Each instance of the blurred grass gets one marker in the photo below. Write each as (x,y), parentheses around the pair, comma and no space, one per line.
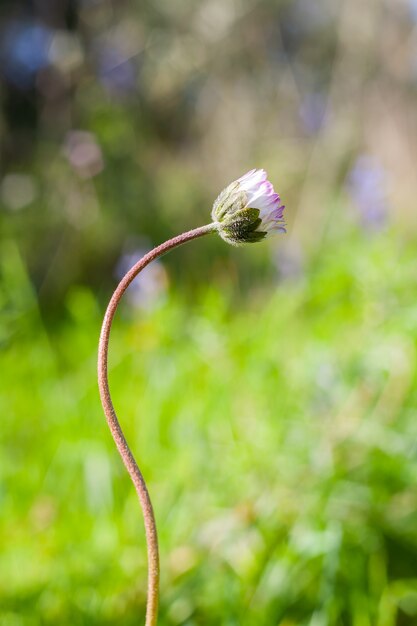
(278,438)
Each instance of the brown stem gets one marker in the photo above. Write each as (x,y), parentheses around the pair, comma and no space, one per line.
(115,429)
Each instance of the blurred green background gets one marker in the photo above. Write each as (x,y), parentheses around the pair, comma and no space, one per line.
(269,392)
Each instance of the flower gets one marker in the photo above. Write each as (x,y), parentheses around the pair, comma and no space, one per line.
(366,187)
(248,210)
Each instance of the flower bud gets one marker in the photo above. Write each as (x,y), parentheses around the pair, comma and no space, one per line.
(248,210)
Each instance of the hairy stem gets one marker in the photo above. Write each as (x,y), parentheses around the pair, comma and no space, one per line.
(115,428)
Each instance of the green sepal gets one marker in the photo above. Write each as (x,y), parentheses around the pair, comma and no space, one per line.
(240,227)
(229,202)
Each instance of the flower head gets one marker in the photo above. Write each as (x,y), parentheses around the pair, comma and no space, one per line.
(248,210)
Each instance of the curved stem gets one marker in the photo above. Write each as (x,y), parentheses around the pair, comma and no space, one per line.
(115,428)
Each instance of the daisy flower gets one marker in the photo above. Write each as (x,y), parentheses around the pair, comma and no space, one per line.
(248,210)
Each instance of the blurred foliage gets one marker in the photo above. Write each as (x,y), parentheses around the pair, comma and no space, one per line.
(279,442)
(270,391)
(121,122)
